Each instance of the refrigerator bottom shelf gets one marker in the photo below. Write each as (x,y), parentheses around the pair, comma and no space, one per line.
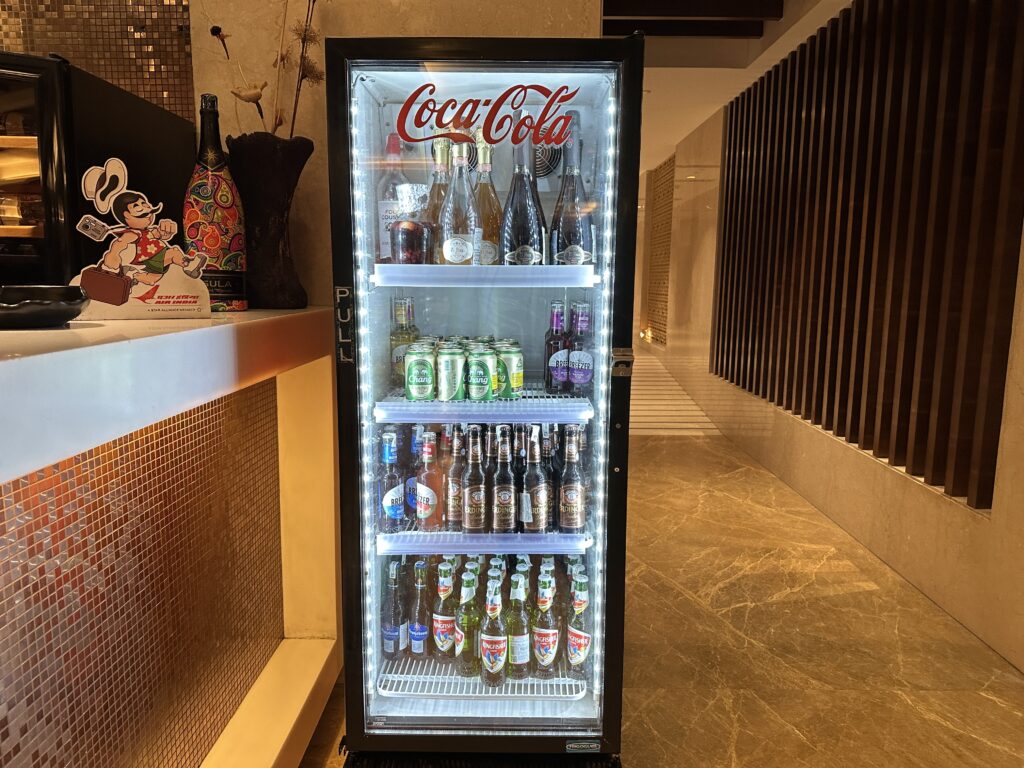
(425,678)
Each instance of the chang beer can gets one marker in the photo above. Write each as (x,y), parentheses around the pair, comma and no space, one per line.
(420,373)
(510,372)
(451,374)
(479,382)
(483,339)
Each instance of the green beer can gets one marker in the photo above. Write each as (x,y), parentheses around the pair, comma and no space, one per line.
(479,383)
(419,372)
(451,374)
(510,372)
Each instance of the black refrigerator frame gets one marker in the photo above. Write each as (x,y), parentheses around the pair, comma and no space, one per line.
(627,54)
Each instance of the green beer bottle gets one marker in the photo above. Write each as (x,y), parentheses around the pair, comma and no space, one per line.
(467,630)
(443,618)
(517,626)
(545,634)
(493,640)
(579,633)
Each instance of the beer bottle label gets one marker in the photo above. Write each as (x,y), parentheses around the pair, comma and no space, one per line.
(525,507)
(418,637)
(403,636)
(577,646)
(426,501)
(519,649)
(460,640)
(474,510)
(540,502)
(444,632)
(504,507)
(581,367)
(389,635)
(545,646)
(572,507)
(394,503)
(398,361)
(493,652)
(558,364)
(453,494)
(410,493)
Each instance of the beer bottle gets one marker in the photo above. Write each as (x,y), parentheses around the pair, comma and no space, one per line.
(419,615)
(557,445)
(573,502)
(523,570)
(473,568)
(579,633)
(390,487)
(467,630)
(474,488)
(493,640)
(429,483)
(545,631)
(443,619)
(503,490)
(453,482)
(547,464)
(519,456)
(413,470)
(402,335)
(490,459)
(394,625)
(537,492)
(517,626)
(495,574)
(444,450)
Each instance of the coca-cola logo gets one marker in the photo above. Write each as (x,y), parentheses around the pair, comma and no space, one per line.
(548,127)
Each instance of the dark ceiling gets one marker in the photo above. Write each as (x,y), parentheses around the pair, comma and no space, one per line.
(689,18)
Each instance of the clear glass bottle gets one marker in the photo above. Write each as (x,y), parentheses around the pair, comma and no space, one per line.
(579,632)
(544,631)
(394,624)
(572,224)
(467,630)
(439,183)
(429,487)
(390,486)
(522,221)
(487,203)
(459,226)
(419,614)
(388,205)
(403,333)
(493,640)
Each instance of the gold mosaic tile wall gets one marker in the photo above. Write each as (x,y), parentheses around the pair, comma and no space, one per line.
(140,590)
(142,46)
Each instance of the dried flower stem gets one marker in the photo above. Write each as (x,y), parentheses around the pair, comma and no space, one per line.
(279,65)
(310,5)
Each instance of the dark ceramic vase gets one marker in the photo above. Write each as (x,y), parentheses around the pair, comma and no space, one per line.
(266,169)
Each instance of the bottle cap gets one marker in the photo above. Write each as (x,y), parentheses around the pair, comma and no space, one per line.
(208,101)
(394,145)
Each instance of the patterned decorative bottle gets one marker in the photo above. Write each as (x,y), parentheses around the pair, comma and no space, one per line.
(214,223)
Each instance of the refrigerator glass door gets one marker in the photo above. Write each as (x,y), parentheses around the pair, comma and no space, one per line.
(458,348)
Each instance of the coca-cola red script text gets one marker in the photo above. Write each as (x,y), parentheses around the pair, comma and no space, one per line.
(548,127)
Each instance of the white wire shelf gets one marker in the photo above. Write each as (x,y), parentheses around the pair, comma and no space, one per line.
(420,542)
(447,276)
(425,678)
(534,407)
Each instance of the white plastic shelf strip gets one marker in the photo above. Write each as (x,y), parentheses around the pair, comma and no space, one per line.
(448,276)
(420,542)
(534,407)
(425,678)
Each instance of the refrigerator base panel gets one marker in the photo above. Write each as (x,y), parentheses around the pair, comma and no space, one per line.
(425,678)
(389,714)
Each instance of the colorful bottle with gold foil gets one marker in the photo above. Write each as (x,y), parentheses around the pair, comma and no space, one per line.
(214,223)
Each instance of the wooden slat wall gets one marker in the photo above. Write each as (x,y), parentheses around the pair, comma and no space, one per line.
(871,228)
(659,208)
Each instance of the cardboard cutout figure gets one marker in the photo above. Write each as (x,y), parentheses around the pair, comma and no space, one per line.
(141,274)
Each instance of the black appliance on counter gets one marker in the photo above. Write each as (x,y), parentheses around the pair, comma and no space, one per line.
(56,121)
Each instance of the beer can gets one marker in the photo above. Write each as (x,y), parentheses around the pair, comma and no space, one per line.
(420,373)
(483,339)
(480,383)
(451,373)
(510,372)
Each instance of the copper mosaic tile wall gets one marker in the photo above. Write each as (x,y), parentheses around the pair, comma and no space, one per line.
(142,46)
(140,590)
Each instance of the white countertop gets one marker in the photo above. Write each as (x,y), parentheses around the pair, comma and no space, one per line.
(67,390)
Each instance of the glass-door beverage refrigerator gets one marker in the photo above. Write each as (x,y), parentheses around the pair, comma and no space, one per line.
(483,196)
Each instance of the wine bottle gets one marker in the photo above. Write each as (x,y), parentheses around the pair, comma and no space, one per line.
(214,222)
(439,183)
(459,226)
(388,206)
(522,221)
(572,225)
(488,207)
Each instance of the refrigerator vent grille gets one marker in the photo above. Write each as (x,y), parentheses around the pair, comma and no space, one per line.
(426,678)
(535,406)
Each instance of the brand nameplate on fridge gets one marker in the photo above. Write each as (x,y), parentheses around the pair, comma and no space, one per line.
(422,110)
(583,746)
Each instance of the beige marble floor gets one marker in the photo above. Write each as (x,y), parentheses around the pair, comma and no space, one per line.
(759,634)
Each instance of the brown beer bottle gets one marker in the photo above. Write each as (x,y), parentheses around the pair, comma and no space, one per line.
(573,502)
(537,490)
(474,488)
(504,509)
